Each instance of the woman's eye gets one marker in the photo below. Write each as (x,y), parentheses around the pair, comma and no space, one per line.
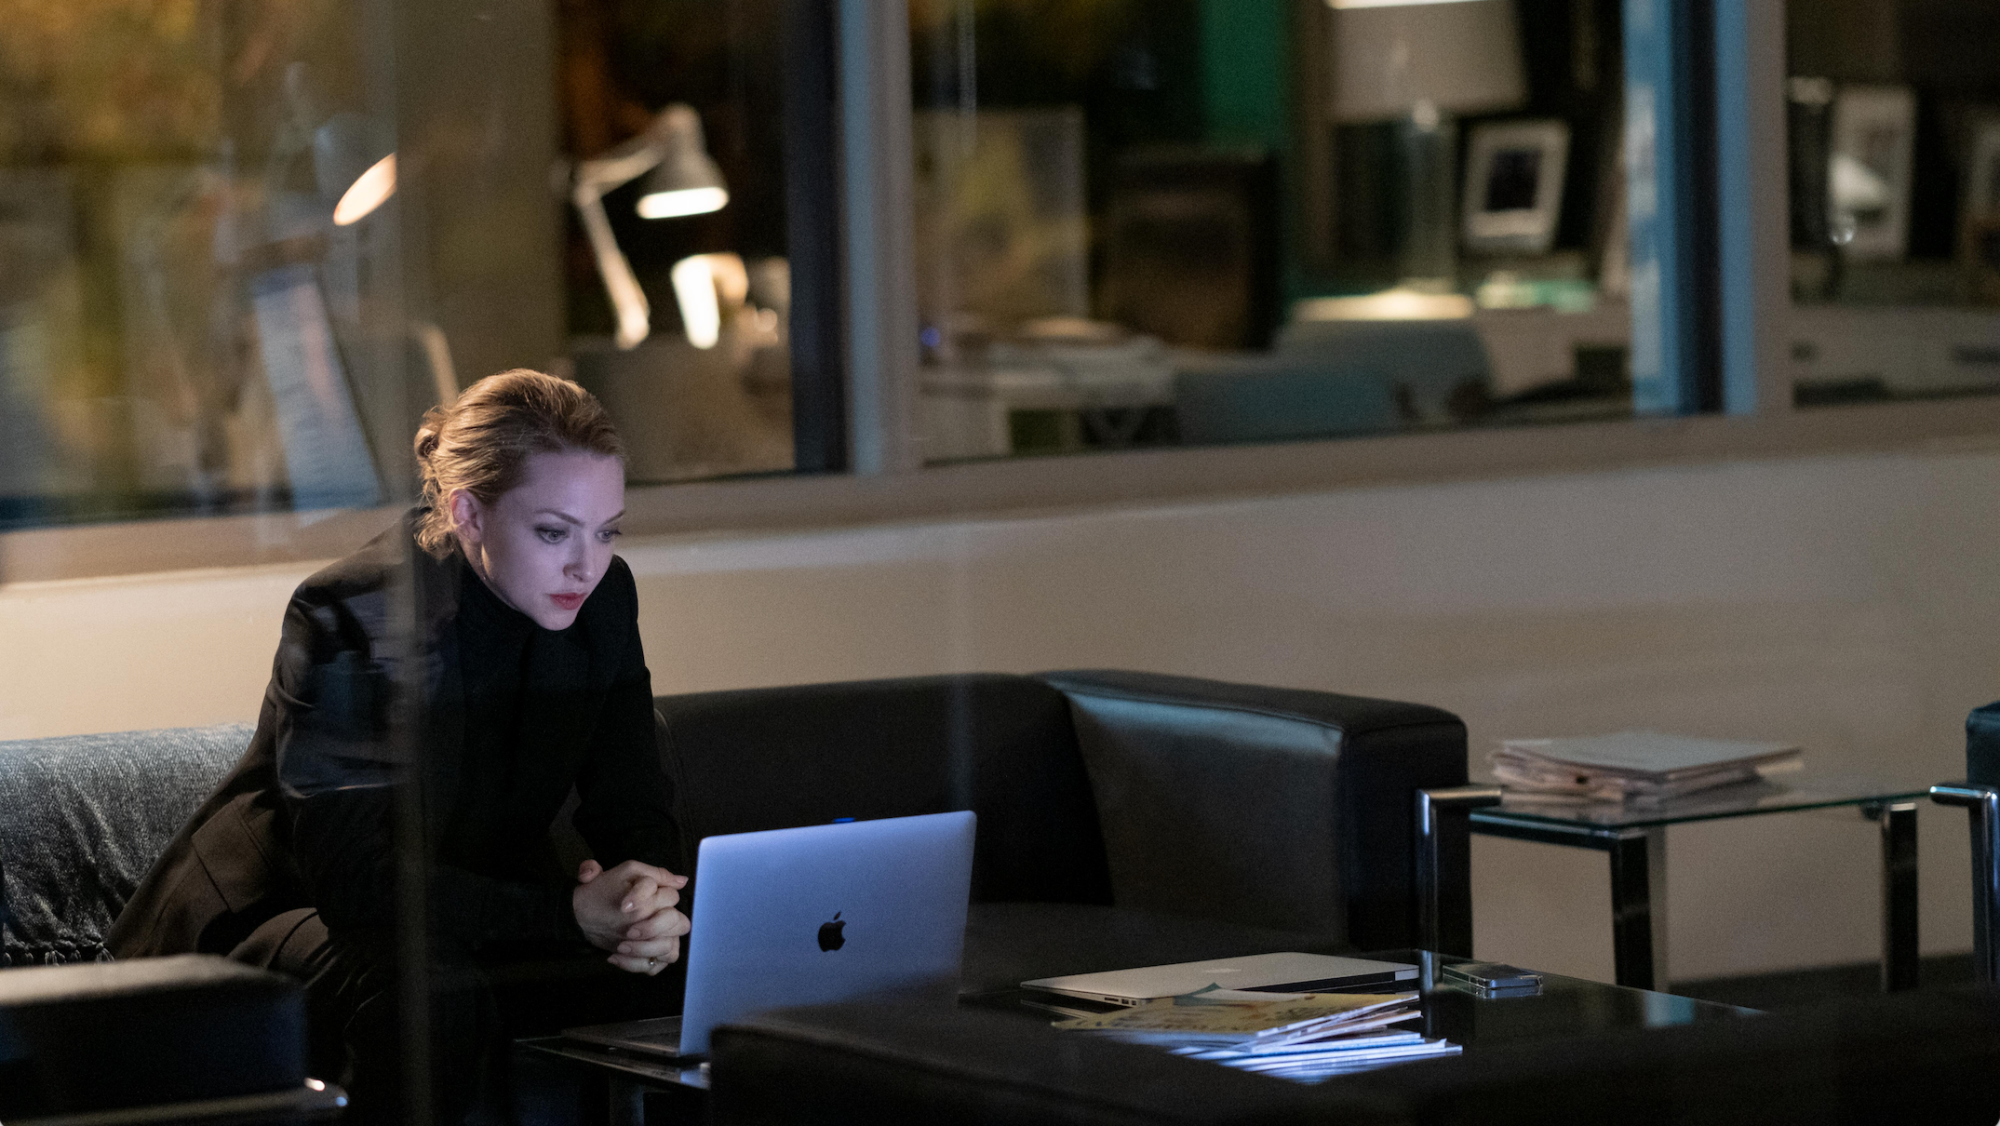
(609,534)
(551,535)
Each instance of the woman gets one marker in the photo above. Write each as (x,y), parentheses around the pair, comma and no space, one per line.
(491,639)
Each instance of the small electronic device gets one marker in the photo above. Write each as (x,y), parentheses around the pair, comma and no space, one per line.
(1495,977)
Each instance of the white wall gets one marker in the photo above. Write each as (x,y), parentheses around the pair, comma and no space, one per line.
(1843,602)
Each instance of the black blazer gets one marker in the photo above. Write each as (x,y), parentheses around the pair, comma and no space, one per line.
(305,818)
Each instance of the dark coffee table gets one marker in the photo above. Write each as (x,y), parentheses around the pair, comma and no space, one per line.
(1565,1006)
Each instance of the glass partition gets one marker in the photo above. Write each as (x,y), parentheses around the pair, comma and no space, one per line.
(183,324)
(689,347)
(1193,222)
(242,248)
(1893,111)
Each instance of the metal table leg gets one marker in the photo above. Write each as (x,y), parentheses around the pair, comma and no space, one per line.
(1639,907)
(1444,860)
(1899,892)
(1982,807)
(627,1101)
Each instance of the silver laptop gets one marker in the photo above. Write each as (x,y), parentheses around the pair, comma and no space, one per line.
(822,913)
(1273,973)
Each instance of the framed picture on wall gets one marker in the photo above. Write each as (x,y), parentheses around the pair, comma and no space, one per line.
(1514,174)
(1868,171)
(1979,224)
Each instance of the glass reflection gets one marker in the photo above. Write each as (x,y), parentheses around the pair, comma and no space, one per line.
(1195,222)
(243,247)
(176,293)
(1894,177)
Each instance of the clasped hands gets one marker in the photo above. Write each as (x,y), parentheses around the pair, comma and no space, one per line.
(631,911)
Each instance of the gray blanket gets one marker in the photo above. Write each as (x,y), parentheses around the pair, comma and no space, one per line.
(82,818)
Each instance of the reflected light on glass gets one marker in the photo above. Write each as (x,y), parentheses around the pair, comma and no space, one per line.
(687,201)
(1347,4)
(694,289)
(369,191)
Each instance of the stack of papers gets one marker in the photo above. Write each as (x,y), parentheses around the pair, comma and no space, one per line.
(1302,1036)
(1639,766)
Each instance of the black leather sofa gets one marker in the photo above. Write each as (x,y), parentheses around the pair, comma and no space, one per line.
(1124,818)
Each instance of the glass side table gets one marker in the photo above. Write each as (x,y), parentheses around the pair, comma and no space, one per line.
(1634,836)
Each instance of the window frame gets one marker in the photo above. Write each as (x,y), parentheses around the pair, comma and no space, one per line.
(1003,489)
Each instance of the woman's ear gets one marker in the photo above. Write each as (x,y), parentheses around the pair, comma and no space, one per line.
(465,516)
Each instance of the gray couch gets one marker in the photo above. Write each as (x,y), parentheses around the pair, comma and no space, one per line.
(82,818)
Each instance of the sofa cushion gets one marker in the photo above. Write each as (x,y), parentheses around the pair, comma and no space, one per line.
(1002,746)
(83,817)
(1009,943)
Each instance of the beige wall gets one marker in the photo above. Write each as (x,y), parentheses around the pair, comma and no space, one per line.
(1844,602)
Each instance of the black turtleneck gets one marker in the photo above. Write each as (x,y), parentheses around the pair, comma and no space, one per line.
(524,693)
(535,713)
(483,828)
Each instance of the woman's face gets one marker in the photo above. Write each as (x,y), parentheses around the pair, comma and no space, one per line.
(543,545)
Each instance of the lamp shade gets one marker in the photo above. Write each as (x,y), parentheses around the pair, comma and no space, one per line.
(1457,56)
(687,180)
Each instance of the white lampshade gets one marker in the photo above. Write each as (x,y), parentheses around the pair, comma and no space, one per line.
(1392,56)
(687,180)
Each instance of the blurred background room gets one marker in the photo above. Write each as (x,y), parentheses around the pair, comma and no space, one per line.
(1571,365)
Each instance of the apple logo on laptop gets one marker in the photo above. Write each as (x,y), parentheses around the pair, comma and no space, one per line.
(830,937)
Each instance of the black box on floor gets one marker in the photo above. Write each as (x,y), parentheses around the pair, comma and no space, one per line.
(152,1031)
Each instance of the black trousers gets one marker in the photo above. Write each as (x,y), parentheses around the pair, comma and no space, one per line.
(480,1001)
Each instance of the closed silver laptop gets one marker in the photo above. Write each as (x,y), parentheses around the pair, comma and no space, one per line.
(816,914)
(1276,973)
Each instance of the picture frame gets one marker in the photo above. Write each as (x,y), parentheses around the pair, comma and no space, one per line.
(1979,220)
(1868,171)
(1514,173)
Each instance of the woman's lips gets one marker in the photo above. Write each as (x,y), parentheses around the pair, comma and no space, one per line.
(567,601)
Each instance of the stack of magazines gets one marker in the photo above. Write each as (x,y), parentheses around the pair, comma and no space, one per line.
(1301,1036)
(1635,766)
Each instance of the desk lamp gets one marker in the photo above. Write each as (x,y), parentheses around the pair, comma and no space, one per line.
(684,181)
(1419,63)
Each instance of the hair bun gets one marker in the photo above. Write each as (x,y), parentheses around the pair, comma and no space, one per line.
(427,443)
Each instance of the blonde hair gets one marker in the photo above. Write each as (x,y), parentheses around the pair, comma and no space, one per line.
(481,441)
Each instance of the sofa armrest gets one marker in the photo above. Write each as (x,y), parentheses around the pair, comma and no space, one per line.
(865,1063)
(1272,807)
